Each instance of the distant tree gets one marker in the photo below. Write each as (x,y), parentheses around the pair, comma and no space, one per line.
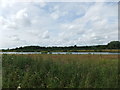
(111,45)
(114,45)
(75,45)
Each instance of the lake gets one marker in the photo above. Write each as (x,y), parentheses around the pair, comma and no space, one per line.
(108,53)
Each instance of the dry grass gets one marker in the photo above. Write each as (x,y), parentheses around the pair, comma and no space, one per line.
(60,71)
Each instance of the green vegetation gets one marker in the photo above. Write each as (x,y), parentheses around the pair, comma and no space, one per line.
(60,71)
(114,45)
(110,47)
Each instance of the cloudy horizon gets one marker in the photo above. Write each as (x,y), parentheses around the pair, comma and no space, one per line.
(58,23)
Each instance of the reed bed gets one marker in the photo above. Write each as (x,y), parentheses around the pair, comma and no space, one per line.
(60,71)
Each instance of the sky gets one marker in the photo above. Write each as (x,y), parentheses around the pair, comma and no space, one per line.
(58,23)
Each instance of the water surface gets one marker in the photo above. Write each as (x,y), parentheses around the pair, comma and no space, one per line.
(59,53)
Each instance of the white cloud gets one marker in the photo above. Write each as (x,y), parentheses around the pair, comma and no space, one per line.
(21,18)
(98,18)
(42,3)
(55,15)
(45,35)
(6,3)
(62,24)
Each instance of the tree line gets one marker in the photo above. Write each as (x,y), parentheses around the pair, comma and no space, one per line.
(75,48)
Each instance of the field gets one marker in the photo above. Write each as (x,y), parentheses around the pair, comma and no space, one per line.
(60,71)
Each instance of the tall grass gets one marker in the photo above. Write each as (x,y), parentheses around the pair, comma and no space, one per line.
(60,71)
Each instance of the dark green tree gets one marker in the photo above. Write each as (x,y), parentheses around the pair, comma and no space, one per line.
(114,45)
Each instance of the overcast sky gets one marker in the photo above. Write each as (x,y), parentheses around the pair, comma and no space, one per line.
(58,24)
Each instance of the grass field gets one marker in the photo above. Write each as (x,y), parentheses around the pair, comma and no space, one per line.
(60,71)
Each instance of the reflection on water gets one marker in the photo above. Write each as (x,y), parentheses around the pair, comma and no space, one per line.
(58,53)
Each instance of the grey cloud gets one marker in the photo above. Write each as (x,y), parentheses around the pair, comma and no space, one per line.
(33,25)
(46,35)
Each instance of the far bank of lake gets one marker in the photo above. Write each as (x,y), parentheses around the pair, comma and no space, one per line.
(108,53)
